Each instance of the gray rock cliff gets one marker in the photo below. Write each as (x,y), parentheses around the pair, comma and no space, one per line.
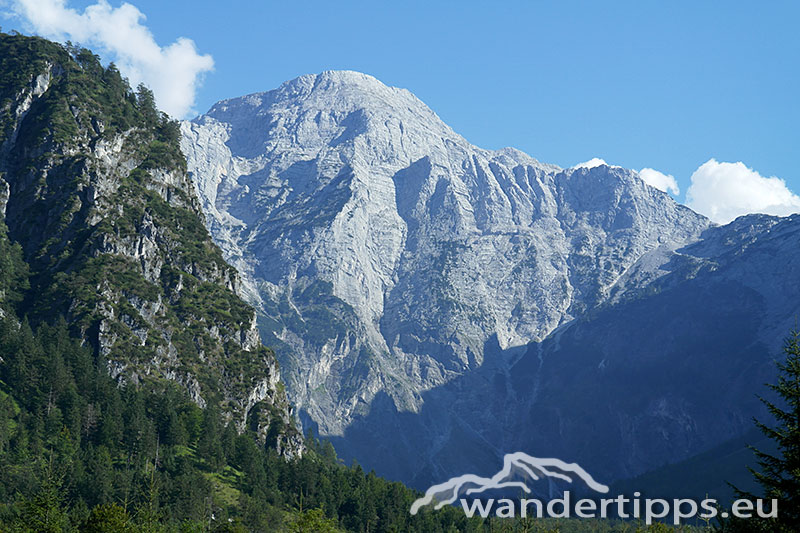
(396,266)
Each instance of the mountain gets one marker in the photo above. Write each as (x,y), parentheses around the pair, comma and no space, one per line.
(135,394)
(435,305)
(95,195)
(716,471)
(660,375)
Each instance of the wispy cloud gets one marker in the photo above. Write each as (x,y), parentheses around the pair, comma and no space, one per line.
(659,180)
(724,191)
(593,162)
(173,72)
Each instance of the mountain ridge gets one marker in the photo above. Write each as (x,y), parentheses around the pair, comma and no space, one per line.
(97,196)
(391,259)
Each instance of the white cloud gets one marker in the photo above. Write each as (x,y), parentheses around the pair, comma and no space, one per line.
(172,72)
(659,180)
(593,162)
(724,191)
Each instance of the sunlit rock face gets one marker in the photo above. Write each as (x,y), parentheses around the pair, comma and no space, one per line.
(395,264)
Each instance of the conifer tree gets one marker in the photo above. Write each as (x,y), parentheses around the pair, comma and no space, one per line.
(779,473)
(108,518)
(44,511)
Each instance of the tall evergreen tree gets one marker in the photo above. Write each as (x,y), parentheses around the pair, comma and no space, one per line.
(779,473)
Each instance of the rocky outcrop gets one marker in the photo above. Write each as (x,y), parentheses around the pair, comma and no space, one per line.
(389,256)
(96,192)
(436,306)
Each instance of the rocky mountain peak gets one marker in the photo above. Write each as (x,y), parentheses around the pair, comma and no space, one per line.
(329,98)
(336,188)
(330,113)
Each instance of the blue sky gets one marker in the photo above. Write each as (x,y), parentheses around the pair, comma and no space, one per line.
(666,85)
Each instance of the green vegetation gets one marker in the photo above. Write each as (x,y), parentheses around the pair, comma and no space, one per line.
(779,472)
(77,452)
(111,234)
(88,98)
(14,278)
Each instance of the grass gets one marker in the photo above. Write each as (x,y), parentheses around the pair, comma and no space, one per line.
(225,483)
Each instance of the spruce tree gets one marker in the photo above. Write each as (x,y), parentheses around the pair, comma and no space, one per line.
(779,474)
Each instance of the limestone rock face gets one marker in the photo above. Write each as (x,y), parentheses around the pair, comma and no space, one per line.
(435,306)
(390,257)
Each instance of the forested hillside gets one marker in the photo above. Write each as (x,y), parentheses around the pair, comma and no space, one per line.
(135,393)
(93,188)
(78,451)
